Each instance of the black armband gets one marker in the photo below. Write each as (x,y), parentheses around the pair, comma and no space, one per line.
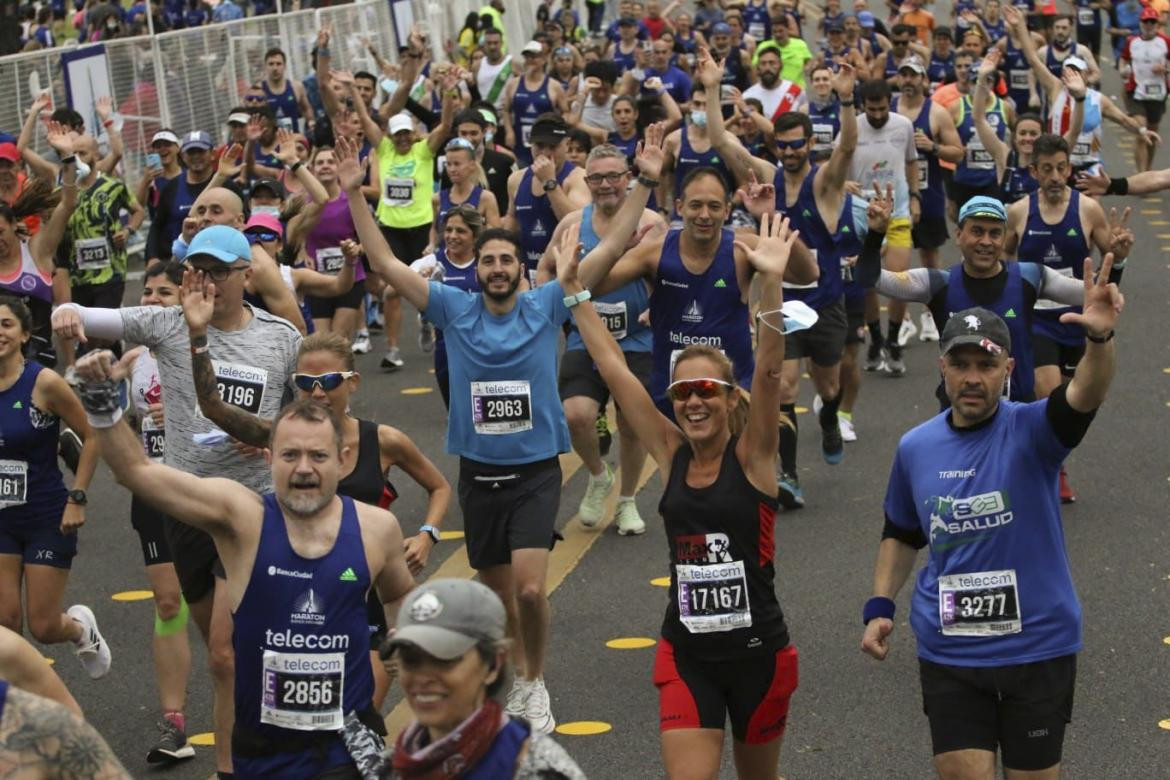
(912,537)
(1118,186)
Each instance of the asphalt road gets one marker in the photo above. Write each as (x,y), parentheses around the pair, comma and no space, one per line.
(851,717)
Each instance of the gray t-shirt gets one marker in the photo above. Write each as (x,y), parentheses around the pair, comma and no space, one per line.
(881,157)
(254,366)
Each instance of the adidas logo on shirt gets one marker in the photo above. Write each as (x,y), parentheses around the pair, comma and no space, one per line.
(348,575)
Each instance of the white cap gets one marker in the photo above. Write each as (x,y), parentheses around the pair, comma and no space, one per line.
(165,135)
(401,122)
(239,118)
(533,47)
(1073,61)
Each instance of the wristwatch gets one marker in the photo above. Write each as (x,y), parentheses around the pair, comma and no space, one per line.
(78,497)
(551,185)
(431,531)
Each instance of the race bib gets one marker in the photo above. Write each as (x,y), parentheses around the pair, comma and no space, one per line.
(330,260)
(923,165)
(823,134)
(984,603)
(1154,90)
(501,407)
(978,157)
(756,30)
(525,134)
(154,439)
(713,597)
(399,192)
(13,483)
(614,316)
(1018,78)
(303,691)
(92,254)
(1086,17)
(1081,149)
(241,386)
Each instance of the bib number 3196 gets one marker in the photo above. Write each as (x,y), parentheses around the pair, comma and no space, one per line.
(501,407)
(985,603)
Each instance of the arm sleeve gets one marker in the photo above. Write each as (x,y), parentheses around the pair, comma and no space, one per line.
(146,325)
(1062,289)
(105,324)
(917,284)
(425,115)
(1069,425)
(869,261)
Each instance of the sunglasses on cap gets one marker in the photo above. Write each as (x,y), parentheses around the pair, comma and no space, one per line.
(797,144)
(327,382)
(704,388)
(261,236)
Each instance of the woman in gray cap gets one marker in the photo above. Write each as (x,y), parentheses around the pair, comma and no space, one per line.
(451,655)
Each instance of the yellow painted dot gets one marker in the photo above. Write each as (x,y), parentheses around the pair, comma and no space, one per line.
(417,390)
(431,370)
(664,582)
(630,643)
(802,410)
(1151,212)
(450,535)
(1160,222)
(133,595)
(805,376)
(1166,370)
(50,661)
(588,728)
(1164,724)
(1166,640)
(206,739)
(1164,235)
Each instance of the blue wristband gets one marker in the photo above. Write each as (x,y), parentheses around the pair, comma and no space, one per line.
(878,607)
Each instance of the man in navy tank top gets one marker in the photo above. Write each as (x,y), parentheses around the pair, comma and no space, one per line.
(994,609)
(286,98)
(299,563)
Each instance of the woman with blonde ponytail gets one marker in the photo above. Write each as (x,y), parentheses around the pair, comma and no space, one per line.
(724,648)
(468,186)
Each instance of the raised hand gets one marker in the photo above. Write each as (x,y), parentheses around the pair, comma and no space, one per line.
(708,72)
(59,137)
(1074,82)
(759,199)
(41,103)
(650,156)
(231,162)
(1014,19)
(286,147)
(342,77)
(104,107)
(255,128)
(1094,184)
(844,79)
(881,206)
(100,365)
(1120,233)
(350,172)
(197,295)
(568,256)
(1103,301)
(323,36)
(770,255)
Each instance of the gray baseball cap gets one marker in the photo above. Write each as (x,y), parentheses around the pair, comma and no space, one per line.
(447,617)
(977,327)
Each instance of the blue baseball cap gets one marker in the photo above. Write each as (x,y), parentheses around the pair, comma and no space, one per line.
(721,28)
(983,207)
(224,243)
(866,19)
(196,139)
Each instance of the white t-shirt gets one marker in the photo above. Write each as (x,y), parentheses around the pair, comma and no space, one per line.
(881,157)
(599,115)
(783,97)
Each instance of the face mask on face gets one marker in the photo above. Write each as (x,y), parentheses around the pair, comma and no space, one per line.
(270,210)
(82,171)
(488,136)
(699,118)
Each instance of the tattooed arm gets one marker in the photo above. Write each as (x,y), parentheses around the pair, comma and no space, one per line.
(40,738)
(198,295)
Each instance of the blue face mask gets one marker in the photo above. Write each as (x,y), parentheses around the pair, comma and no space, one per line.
(699,118)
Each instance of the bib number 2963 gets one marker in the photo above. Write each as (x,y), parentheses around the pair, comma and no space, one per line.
(501,407)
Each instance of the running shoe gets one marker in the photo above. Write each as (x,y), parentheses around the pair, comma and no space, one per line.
(1067,496)
(517,702)
(893,363)
(91,649)
(426,335)
(604,437)
(538,710)
(375,320)
(392,360)
(847,432)
(874,357)
(928,331)
(69,445)
(592,503)
(907,331)
(172,745)
(629,522)
(832,444)
(361,343)
(791,496)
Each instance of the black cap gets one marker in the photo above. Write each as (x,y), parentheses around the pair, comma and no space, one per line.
(272,185)
(976,327)
(549,130)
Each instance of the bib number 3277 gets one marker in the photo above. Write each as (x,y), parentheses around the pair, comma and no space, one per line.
(985,603)
(303,690)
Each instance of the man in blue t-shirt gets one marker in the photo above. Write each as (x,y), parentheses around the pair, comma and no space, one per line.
(994,610)
(505,421)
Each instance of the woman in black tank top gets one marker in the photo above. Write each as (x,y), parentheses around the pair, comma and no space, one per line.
(724,649)
(325,367)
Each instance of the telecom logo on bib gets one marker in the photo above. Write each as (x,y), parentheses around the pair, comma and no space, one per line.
(958,521)
(308,609)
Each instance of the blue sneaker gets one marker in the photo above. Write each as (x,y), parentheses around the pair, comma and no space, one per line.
(791,496)
(832,445)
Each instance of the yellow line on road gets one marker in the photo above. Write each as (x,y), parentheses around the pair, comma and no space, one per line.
(563,559)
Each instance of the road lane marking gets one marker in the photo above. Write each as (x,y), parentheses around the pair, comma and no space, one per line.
(1164,724)
(206,739)
(638,643)
(425,390)
(584,728)
(133,595)
(664,582)
(50,661)
(447,536)
(562,560)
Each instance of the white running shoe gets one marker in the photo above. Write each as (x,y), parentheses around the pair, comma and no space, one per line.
(361,343)
(629,522)
(92,650)
(426,335)
(928,331)
(517,703)
(907,331)
(846,426)
(392,360)
(538,711)
(592,503)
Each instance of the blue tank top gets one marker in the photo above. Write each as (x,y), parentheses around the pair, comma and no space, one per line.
(806,217)
(536,218)
(977,168)
(620,309)
(940,71)
(757,21)
(462,278)
(527,105)
(1017,68)
(891,67)
(624,61)
(1062,247)
(180,207)
(1017,180)
(930,182)
(826,123)
(689,160)
(734,73)
(1054,65)
(288,111)
(706,308)
(830,55)
(446,205)
(1088,18)
(31,488)
(302,647)
(1012,306)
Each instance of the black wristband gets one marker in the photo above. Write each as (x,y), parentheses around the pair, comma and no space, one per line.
(874,239)
(70,159)
(295,166)
(1100,339)
(1080,99)
(646,181)
(1118,186)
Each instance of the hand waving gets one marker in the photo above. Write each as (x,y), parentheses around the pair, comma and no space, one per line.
(1103,301)
(770,255)
(650,156)
(350,172)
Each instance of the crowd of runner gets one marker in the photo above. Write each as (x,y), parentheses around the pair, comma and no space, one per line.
(684,212)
